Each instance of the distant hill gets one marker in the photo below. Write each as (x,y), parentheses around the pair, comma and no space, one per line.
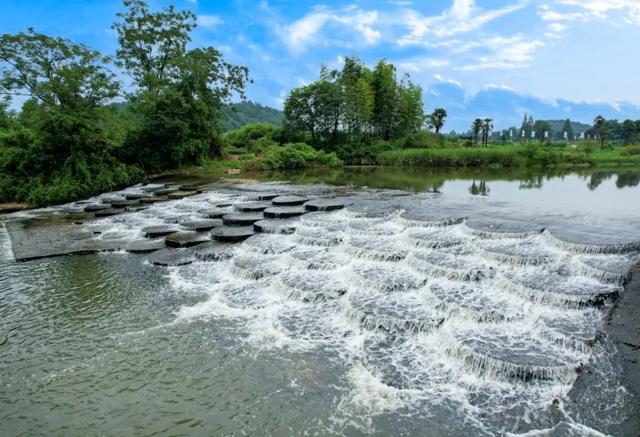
(240,114)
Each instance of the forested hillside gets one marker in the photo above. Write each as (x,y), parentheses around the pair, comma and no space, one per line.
(240,114)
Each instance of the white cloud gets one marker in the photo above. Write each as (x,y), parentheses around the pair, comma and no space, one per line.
(587,10)
(209,21)
(463,16)
(309,30)
(501,52)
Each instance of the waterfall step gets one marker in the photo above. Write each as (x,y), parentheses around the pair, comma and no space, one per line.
(470,301)
(215,251)
(201,225)
(275,226)
(95,207)
(378,249)
(242,218)
(186,239)
(108,212)
(232,234)
(455,263)
(122,204)
(254,267)
(171,257)
(311,286)
(181,194)
(216,213)
(268,244)
(284,211)
(289,200)
(319,259)
(387,278)
(252,206)
(144,246)
(324,205)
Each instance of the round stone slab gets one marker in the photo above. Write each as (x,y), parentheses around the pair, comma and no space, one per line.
(181,194)
(96,207)
(323,205)
(121,204)
(108,200)
(215,251)
(201,225)
(284,211)
(215,213)
(108,212)
(171,257)
(146,200)
(242,218)
(252,206)
(159,231)
(134,196)
(144,246)
(166,191)
(266,196)
(275,226)
(232,234)
(289,200)
(185,239)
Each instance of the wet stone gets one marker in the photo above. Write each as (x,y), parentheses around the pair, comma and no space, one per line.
(171,257)
(252,206)
(159,231)
(145,246)
(315,259)
(387,278)
(289,200)
(469,301)
(324,205)
(232,234)
(201,225)
(186,239)
(136,208)
(269,244)
(108,212)
(275,226)
(266,196)
(393,312)
(181,194)
(108,200)
(166,191)
(377,249)
(312,286)
(134,196)
(216,213)
(242,218)
(122,204)
(215,251)
(254,267)
(95,207)
(433,239)
(147,200)
(284,211)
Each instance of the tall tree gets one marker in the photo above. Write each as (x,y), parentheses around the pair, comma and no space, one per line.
(385,92)
(180,92)
(541,129)
(476,128)
(568,130)
(629,131)
(599,129)
(437,118)
(487,126)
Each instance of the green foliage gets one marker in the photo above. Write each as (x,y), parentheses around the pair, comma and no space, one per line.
(437,118)
(631,151)
(237,115)
(297,155)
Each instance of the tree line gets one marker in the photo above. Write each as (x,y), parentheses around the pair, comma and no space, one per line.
(70,140)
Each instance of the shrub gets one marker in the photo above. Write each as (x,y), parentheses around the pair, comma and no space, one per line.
(297,155)
(631,150)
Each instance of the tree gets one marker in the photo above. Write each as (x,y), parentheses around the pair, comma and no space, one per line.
(476,127)
(541,129)
(437,118)
(385,92)
(487,126)
(568,130)
(629,131)
(599,129)
(180,92)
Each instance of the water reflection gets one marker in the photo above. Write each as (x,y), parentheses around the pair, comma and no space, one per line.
(480,188)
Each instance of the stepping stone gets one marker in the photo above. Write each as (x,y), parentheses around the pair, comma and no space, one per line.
(108,200)
(145,246)
(499,352)
(134,196)
(378,249)
(269,244)
(232,234)
(472,302)
(186,239)
(121,204)
(171,257)
(284,211)
(147,200)
(242,218)
(201,225)
(252,206)
(159,231)
(387,278)
(215,251)
(266,196)
(254,267)
(289,200)
(166,191)
(405,312)
(315,259)
(181,194)
(108,212)
(96,207)
(216,213)
(455,263)
(275,226)
(433,239)
(310,286)
(223,205)
(531,251)
(324,205)
(150,188)
(318,237)
(135,208)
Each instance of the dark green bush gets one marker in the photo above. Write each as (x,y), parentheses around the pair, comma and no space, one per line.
(297,155)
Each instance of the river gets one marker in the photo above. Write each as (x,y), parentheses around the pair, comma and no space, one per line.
(410,312)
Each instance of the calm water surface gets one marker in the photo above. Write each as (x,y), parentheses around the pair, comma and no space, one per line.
(110,345)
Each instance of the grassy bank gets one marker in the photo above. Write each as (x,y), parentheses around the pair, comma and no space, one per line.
(507,156)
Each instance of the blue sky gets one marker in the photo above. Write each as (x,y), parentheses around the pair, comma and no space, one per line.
(555,58)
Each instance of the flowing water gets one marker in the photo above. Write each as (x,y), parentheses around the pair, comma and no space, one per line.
(440,304)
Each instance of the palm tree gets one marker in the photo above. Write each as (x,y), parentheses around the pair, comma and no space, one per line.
(437,118)
(598,127)
(487,126)
(476,127)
